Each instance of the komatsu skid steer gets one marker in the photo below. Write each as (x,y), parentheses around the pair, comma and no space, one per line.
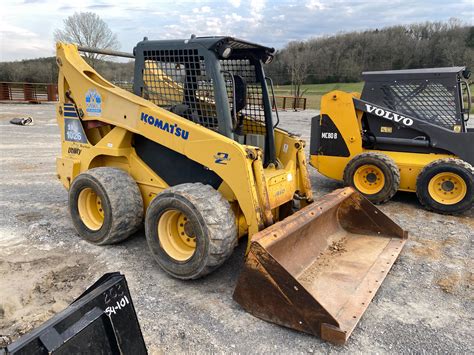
(407,131)
(196,155)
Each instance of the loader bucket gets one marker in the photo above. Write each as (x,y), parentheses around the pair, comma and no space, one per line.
(318,270)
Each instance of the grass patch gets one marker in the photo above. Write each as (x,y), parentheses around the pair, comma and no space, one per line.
(314,92)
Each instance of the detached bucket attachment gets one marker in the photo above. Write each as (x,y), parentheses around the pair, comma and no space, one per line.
(101,321)
(318,270)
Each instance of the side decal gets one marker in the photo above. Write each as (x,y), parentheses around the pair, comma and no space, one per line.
(392,116)
(221,158)
(73,131)
(93,103)
(171,128)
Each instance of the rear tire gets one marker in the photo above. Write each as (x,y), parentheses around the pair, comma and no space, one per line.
(190,229)
(374,175)
(106,205)
(446,186)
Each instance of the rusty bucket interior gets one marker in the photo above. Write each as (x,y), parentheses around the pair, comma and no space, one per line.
(317,270)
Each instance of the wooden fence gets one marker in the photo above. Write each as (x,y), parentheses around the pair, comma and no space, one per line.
(41,92)
(30,92)
(290,103)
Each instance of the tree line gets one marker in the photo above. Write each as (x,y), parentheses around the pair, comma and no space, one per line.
(343,57)
(45,70)
(337,58)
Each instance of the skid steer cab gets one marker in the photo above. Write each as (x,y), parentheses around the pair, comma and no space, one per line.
(407,131)
(196,154)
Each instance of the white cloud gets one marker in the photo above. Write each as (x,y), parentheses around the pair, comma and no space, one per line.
(26,30)
(256,16)
(235,3)
(7,30)
(18,42)
(233,17)
(202,10)
(315,5)
(257,5)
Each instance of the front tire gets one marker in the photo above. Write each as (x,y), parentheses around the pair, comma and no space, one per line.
(190,229)
(374,175)
(446,186)
(106,205)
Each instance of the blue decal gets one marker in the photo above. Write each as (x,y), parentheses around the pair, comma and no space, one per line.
(73,131)
(221,158)
(93,103)
(171,128)
(70,114)
(69,110)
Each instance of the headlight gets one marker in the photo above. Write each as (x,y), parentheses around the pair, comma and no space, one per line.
(268,59)
(225,51)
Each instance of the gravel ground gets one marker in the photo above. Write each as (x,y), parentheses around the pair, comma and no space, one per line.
(425,305)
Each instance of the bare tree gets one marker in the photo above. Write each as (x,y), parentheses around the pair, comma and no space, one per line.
(296,58)
(87,29)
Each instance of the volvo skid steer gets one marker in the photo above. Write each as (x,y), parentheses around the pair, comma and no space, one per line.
(407,131)
(195,153)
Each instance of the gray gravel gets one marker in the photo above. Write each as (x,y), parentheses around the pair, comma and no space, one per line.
(425,305)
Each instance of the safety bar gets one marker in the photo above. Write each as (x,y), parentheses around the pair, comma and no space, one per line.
(105,52)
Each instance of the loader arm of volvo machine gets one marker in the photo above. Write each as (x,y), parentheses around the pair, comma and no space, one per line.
(201,113)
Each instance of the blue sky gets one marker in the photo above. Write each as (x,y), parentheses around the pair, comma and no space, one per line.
(26,27)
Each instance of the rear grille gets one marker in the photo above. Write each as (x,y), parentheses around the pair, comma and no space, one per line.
(428,101)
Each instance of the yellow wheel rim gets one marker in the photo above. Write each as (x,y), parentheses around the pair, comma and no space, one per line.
(369,179)
(90,209)
(176,235)
(447,188)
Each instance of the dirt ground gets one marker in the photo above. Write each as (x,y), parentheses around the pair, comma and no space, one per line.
(425,305)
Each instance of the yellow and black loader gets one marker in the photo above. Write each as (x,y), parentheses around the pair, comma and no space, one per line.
(195,154)
(407,131)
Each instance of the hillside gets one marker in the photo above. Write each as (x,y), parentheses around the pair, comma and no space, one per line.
(343,57)
(45,70)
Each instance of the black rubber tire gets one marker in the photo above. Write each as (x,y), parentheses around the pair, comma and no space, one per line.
(385,164)
(213,222)
(457,166)
(121,201)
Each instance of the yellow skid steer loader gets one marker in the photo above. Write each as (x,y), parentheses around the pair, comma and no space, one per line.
(195,153)
(406,131)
